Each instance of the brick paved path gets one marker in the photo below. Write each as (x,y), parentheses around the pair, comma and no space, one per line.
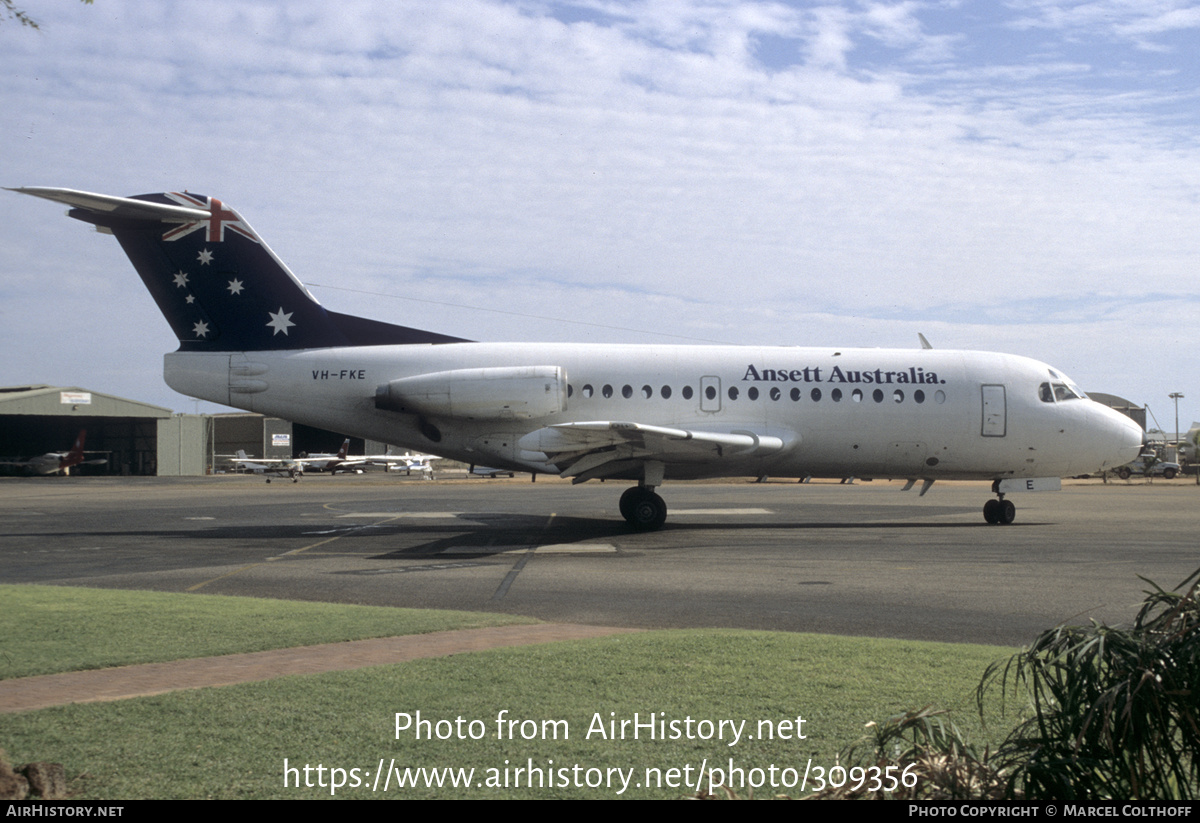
(29,693)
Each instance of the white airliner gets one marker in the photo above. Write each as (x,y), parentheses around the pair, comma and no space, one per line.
(251,336)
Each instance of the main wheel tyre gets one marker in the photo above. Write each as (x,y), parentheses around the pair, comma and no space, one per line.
(1168,474)
(648,512)
(628,499)
(991,511)
(1123,473)
(1007,511)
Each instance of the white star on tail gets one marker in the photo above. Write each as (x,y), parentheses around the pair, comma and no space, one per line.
(201,329)
(235,286)
(181,280)
(280,322)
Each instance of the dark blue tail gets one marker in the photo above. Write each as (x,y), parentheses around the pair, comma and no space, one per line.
(218,284)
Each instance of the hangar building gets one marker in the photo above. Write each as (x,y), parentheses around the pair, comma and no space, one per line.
(38,419)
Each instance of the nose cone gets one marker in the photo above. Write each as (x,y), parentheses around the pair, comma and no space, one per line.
(1115,438)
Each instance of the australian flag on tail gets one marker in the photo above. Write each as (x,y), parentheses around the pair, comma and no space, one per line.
(217,283)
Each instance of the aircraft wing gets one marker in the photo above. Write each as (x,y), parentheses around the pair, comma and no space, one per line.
(604,448)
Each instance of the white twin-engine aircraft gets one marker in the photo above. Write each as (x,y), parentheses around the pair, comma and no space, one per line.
(251,336)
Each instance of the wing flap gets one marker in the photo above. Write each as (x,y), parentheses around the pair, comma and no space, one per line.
(601,448)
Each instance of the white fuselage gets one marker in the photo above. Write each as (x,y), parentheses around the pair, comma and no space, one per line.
(920,413)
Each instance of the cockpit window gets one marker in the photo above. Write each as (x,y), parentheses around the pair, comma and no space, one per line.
(1059,391)
(1065,391)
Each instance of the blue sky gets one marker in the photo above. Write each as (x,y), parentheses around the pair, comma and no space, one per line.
(1011,176)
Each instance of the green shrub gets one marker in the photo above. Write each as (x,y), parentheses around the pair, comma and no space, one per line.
(1113,711)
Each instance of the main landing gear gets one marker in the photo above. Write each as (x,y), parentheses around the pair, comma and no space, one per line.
(643,509)
(999,512)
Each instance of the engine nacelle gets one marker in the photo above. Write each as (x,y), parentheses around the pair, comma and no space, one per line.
(513,392)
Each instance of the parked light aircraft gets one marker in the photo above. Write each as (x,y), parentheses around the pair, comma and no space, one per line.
(251,336)
(296,467)
(270,466)
(56,462)
(408,462)
(333,463)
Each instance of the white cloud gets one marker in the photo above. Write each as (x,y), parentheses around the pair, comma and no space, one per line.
(636,161)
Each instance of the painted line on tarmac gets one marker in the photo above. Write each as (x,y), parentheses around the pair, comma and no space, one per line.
(549,548)
(516,569)
(291,553)
(401,515)
(721,512)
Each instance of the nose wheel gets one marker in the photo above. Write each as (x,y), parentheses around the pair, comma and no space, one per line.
(999,512)
(644,510)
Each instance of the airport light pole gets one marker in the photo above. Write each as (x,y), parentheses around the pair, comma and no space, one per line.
(1176,396)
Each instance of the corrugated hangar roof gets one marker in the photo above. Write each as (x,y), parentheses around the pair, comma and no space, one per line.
(1112,400)
(46,400)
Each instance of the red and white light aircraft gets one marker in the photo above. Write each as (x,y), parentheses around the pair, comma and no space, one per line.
(56,462)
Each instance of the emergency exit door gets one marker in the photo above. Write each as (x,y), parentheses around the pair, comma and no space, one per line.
(995,418)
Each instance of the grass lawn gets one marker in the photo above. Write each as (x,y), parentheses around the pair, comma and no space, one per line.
(232,742)
(47,629)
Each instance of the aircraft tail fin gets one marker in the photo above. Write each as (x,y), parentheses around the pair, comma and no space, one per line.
(345,448)
(75,456)
(220,287)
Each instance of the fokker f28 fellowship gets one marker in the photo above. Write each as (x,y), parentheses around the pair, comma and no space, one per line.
(251,336)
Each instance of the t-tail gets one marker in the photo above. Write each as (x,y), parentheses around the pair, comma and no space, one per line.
(75,456)
(220,287)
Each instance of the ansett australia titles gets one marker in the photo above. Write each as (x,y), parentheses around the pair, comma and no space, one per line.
(822,374)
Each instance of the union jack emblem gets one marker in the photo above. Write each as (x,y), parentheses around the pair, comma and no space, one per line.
(221,217)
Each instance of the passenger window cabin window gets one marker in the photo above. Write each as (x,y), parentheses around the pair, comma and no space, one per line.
(898,396)
(687,392)
(752,392)
(733,393)
(647,392)
(919,396)
(666,392)
(836,395)
(795,395)
(877,395)
(587,390)
(607,390)
(570,390)
(815,394)
(856,395)
(627,391)
(775,393)
(711,393)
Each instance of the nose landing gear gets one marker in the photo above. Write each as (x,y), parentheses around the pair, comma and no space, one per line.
(999,512)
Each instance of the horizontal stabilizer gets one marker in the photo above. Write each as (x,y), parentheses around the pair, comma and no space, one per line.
(123,207)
